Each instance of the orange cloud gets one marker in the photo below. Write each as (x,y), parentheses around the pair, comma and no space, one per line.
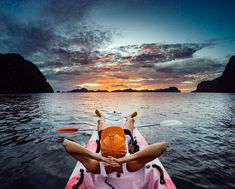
(106,58)
(109,83)
(110,68)
(150,48)
(128,60)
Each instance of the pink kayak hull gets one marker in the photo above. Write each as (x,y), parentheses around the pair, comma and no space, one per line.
(146,178)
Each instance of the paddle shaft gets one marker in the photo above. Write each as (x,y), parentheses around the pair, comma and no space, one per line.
(140,126)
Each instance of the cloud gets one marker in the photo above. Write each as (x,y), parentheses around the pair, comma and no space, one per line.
(190,66)
(66,45)
(189,72)
(67,11)
(150,64)
(24,38)
(51,28)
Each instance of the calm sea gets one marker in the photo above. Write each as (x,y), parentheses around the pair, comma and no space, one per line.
(201,152)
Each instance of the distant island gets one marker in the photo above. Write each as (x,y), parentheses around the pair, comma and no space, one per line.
(170,89)
(82,90)
(18,75)
(223,84)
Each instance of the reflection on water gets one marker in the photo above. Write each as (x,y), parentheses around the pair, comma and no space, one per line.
(200,155)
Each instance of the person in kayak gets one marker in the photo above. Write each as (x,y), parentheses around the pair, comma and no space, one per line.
(114,155)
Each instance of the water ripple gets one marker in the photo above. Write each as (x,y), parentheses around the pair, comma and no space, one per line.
(200,154)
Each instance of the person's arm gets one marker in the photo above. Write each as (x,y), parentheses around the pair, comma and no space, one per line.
(147,154)
(81,154)
(76,149)
(137,160)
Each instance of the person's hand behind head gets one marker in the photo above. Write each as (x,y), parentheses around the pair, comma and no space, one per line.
(109,161)
(119,160)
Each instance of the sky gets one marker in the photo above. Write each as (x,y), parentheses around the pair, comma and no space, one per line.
(108,44)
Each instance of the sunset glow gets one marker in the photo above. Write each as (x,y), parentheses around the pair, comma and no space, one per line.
(89,85)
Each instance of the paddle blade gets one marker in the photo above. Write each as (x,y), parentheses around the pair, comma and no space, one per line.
(170,123)
(67,130)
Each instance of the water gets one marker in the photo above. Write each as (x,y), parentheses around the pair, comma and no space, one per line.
(200,154)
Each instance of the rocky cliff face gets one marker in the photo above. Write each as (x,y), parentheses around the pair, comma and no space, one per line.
(18,75)
(225,83)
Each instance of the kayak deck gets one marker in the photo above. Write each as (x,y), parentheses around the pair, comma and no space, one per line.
(149,177)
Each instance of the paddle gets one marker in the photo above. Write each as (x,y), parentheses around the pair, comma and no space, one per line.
(162,123)
(67,130)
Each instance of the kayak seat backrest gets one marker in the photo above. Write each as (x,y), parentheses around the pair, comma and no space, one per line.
(134,147)
(98,145)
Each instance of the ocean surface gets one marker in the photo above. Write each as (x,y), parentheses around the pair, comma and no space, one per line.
(201,151)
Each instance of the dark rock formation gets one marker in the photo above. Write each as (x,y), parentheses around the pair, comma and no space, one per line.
(78,90)
(170,89)
(125,90)
(101,91)
(224,84)
(18,75)
(82,90)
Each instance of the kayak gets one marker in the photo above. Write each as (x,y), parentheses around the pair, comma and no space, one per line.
(152,176)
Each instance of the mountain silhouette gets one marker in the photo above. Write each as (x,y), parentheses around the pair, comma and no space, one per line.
(18,75)
(225,83)
(170,89)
